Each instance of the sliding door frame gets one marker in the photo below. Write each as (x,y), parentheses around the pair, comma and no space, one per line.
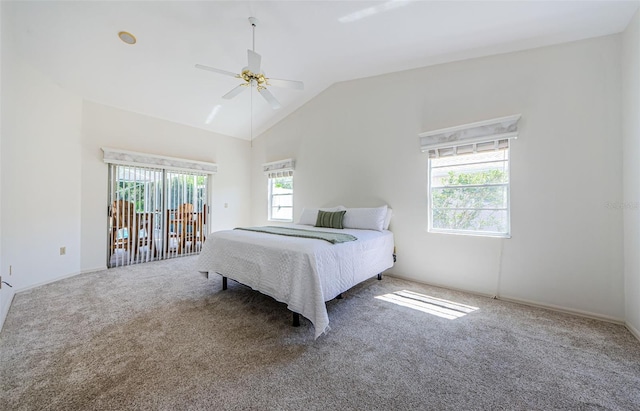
(194,221)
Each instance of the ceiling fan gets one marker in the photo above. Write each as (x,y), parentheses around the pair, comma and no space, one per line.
(251,75)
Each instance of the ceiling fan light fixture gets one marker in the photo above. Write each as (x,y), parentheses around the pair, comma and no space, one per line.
(127,37)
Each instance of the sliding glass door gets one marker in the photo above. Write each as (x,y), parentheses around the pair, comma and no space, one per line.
(155,214)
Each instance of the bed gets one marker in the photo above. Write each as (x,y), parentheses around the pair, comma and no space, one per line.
(303,273)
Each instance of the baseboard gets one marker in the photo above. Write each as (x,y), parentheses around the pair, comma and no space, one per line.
(53,280)
(93,270)
(5,309)
(40,284)
(558,308)
(446,287)
(4,313)
(633,330)
(551,307)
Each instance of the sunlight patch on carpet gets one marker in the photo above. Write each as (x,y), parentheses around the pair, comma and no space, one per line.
(427,304)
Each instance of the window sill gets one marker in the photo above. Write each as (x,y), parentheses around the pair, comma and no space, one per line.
(471,233)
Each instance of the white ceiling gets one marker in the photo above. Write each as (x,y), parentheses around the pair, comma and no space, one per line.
(76,44)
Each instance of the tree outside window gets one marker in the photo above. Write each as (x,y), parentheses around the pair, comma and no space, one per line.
(470,194)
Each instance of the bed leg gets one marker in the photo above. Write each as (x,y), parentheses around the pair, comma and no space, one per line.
(224,283)
(296,320)
(379,276)
(339,296)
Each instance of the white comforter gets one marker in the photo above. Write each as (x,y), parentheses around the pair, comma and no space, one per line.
(301,272)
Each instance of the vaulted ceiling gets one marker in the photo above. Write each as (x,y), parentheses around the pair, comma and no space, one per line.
(320,43)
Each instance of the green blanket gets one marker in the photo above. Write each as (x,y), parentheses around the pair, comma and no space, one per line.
(333,238)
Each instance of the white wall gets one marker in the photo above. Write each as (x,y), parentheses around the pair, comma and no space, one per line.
(54,183)
(104,126)
(6,293)
(40,176)
(631,170)
(357,144)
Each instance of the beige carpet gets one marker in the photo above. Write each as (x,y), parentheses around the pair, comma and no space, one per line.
(159,336)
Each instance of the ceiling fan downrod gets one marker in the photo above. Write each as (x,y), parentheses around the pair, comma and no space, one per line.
(254,23)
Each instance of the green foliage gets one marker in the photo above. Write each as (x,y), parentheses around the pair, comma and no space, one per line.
(284,183)
(181,191)
(457,206)
(133,192)
(480,177)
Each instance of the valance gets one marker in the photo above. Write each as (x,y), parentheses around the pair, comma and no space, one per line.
(282,168)
(132,158)
(470,138)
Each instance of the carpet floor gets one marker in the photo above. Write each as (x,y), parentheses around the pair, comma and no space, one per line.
(160,336)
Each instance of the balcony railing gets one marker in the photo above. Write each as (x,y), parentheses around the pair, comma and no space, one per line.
(147,236)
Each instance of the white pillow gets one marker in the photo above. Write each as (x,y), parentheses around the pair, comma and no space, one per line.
(310,215)
(387,219)
(365,218)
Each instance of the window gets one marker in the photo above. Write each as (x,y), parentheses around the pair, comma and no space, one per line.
(469,193)
(280,179)
(281,197)
(469,177)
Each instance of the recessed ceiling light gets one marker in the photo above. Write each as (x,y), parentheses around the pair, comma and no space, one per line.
(127,37)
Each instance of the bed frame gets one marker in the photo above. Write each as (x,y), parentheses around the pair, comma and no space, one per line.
(296,316)
(304,279)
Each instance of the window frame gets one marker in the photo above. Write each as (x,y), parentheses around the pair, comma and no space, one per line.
(270,195)
(494,234)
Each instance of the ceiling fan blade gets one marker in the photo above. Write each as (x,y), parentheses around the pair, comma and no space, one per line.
(296,85)
(275,104)
(235,91)
(254,61)
(215,70)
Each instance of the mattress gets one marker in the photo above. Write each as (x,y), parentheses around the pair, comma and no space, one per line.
(303,273)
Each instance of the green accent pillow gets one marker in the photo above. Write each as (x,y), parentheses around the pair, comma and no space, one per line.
(330,219)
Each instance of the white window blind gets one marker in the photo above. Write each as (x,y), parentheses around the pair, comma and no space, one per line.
(155,214)
(157,206)
(488,135)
